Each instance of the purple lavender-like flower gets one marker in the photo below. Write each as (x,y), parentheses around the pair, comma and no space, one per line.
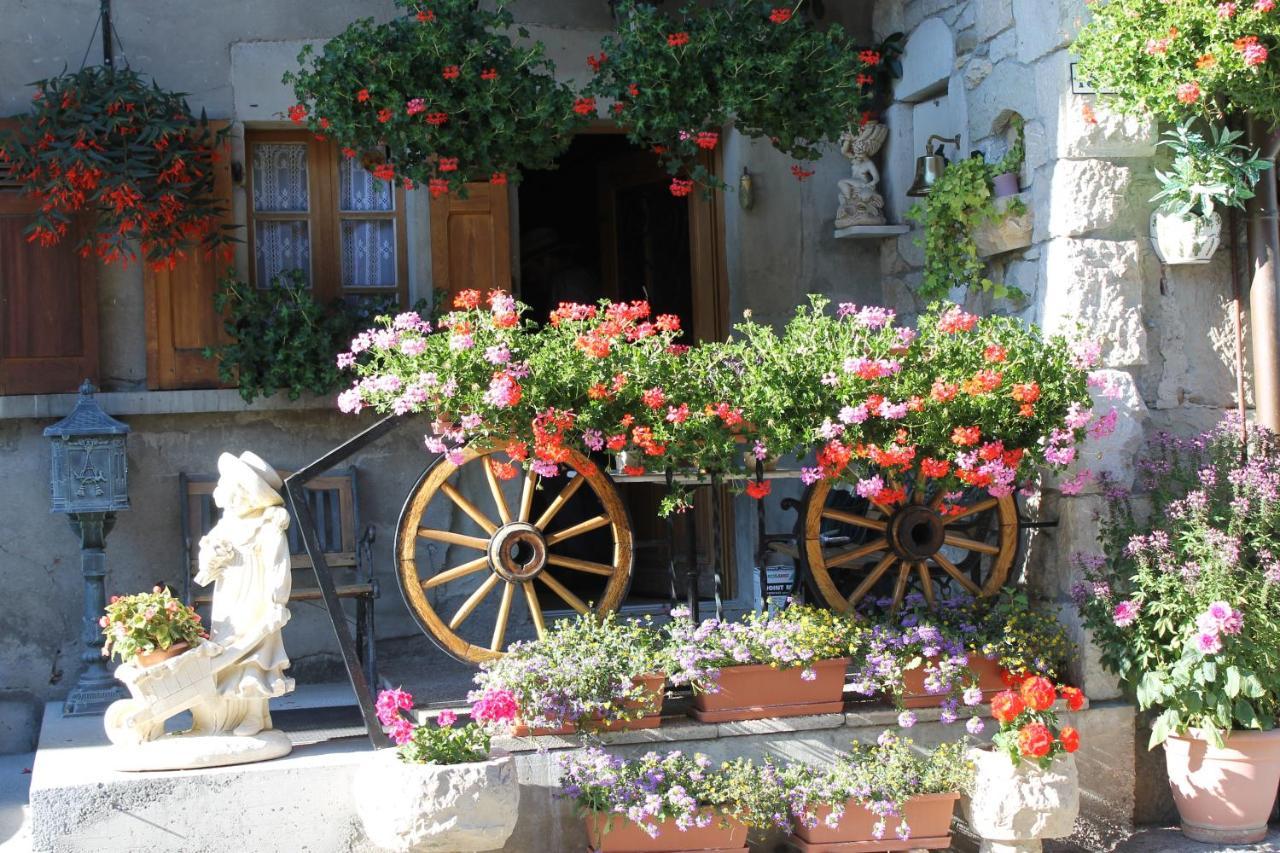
(906,719)
(975,726)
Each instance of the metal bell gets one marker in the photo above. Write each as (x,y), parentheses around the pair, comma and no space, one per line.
(929,167)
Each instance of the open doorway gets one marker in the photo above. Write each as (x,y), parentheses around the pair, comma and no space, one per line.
(604,224)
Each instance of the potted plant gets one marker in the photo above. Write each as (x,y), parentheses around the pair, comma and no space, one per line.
(786,664)
(440,789)
(149,627)
(1185,227)
(1184,611)
(105,142)
(668,802)
(761,68)
(875,788)
(1004,173)
(598,673)
(443,91)
(1026,789)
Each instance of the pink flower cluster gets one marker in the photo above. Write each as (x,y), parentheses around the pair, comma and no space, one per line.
(494,706)
(1220,618)
(389,705)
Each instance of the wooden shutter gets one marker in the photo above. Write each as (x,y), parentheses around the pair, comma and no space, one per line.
(181,320)
(48,307)
(471,241)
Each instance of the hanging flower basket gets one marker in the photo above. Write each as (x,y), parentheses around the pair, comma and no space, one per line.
(444,91)
(677,83)
(130,155)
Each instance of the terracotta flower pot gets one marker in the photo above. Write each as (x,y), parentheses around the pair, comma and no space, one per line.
(153,658)
(608,833)
(1224,796)
(758,691)
(928,816)
(1013,806)
(914,694)
(655,691)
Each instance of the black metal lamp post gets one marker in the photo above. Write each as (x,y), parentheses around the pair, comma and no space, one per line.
(90,483)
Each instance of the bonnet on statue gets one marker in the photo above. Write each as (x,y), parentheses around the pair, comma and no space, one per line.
(257,480)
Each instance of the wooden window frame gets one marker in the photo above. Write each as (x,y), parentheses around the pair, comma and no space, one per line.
(324,219)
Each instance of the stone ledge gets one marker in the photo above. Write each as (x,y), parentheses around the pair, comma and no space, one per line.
(119,403)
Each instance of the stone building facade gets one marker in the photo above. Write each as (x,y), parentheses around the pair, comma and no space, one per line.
(969,66)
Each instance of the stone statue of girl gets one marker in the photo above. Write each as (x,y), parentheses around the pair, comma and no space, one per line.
(246,557)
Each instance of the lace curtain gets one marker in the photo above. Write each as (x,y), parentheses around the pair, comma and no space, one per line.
(280,185)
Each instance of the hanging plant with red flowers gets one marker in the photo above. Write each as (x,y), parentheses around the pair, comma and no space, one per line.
(759,65)
(444,91)
(103,142)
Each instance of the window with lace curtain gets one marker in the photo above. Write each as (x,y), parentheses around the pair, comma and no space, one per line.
(312,209)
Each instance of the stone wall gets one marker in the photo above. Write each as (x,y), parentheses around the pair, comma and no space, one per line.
(1166,332)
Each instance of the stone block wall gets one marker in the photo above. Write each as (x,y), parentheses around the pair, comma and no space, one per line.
(1166,332)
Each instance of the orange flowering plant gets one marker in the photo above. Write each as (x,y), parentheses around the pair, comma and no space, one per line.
(102,141)
(1195,58)
(443,91)
(1029,728)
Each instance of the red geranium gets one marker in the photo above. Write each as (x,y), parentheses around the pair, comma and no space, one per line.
(1070,738)
(780,15)
(1035,740)
(1074,697)
(1038,693)
(1006,706)
(758,489)
(678,39)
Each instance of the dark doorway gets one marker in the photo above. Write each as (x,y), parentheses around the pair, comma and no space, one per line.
(604,224)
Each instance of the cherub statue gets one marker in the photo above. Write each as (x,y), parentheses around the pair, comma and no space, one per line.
(246,557)
(860,204)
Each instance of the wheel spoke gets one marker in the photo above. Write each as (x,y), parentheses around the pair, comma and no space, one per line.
(926,583)
(495,486)
(451,538)
(951,569)
(980,506)
(473,601)
(526,496)
(842,558)
(970,544)
(535,609)
(561,499)
(900,586)
(854,519)
(469,568)
(563,591)
(504,614)
(580,565)
(578,529)
(469,508)
(870,580)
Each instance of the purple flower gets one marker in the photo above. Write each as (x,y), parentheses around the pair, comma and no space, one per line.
(906,719)
(975,726)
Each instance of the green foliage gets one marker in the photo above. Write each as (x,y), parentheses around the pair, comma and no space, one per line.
(444,90)
(679,81)
(887,773)
(102,141)
(282,339)
(148,622)
(1012,159)
(1205,171)
(445,745)
(960,202)
(1185,604)
(1182,59)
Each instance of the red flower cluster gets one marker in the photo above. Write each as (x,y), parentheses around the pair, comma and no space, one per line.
(362,95)
(498,179)
(489,74)
(425,16)
(384,172)
(759,489)
(438,187)
(448,164)
(678,39)
(680,187)
(597,62)
(298,113)
(385,115)
(451,72)
(1027,720)
(708,139)
(436,119)
(585,106)
(869,57)
(780,15)
(801,173)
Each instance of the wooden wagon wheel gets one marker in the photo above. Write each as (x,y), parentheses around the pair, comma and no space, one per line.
(852,547)
(514,550)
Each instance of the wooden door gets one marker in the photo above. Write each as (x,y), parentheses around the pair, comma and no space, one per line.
(471,241)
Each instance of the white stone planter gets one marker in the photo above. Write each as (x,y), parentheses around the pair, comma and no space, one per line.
(1187,239)
(1005,233)
(1013,807)
(429,808)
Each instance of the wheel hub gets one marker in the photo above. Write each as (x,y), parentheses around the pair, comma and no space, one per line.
(518,552)
(916,533)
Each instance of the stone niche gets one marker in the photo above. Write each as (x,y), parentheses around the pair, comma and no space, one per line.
(929,99)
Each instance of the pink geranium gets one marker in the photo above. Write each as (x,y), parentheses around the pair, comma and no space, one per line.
(1126,613)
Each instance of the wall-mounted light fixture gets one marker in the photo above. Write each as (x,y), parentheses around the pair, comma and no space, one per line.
(746,190)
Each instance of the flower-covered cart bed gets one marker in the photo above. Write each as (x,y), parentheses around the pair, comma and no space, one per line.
(912,442)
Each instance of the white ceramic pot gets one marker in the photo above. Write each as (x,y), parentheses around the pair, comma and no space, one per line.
(1012,807)
(431,808)
(1186,239)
